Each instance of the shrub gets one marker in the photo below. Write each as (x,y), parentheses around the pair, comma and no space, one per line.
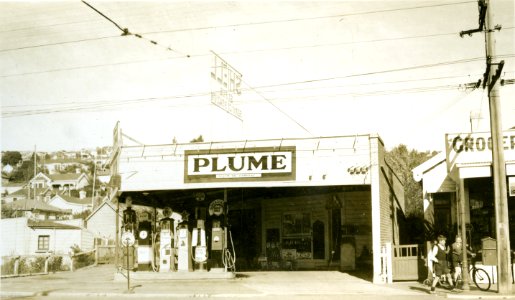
(8,266)
(55,263)
(37,264)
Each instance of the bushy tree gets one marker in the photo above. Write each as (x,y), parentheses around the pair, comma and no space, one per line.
(403,161)
(199,139)
(11,157)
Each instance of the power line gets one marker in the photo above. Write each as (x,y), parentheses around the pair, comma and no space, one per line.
(102,105)
(263,88)
(308,18)
(125,31)
(279,109)
(233,25)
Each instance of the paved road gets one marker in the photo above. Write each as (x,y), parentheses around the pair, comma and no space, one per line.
(99,282)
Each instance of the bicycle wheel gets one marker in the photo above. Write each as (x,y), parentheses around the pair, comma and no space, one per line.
(481,279)
(427,282)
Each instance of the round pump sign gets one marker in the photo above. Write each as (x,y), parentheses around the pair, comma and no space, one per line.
(128,239)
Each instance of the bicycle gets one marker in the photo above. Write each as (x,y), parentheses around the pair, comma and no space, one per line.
(478,275)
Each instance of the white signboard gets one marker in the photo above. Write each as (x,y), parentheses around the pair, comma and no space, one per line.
(247,165)
(463,148)
(511,186)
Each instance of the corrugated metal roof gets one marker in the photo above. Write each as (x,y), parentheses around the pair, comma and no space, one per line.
(27,204)
(75,200)
(67,176)
(49,224)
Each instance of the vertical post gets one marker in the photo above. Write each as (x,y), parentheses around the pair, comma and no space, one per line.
(463,232)
(46,264)
(96,254)
(498,165)
(16,265)
(117,235)
(128,269)
(389,264)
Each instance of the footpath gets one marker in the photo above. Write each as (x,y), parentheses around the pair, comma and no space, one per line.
(99,282)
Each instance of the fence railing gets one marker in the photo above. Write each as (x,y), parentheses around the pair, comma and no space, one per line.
(39,264)
(386,263)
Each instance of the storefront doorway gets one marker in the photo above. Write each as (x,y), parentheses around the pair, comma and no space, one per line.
(245,227)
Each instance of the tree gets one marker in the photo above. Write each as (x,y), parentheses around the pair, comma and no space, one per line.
(11,157)
(200,139)
(7,212)
(403,161)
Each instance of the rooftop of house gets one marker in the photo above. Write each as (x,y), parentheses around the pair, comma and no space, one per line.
(85,201)
(32,205)
(65,161)
(67,176)
(49,224)
(25,191)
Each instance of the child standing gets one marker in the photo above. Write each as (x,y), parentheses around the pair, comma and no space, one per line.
(440,264)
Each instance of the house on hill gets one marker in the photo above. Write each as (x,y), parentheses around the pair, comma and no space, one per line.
(62,182)
(54,166)
(38,210)
(41,194)
(76,205)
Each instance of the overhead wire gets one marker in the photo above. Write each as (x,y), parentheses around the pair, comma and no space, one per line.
(125,31)
(310,18)
(278,108)
(102,105)
(234,25)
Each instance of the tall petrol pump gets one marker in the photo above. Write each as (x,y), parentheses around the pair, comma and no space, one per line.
(198,240)
(183,248)
(218,233)
(144,243)
(166,242)
(129,225)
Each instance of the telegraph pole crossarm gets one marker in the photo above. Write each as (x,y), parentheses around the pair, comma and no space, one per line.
(504,280)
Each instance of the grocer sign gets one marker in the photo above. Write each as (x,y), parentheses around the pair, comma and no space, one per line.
(476,147)
(254,164)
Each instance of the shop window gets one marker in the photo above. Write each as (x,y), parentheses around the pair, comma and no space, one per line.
(43,243)
(297,239)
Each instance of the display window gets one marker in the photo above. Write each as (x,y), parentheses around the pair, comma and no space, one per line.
(297,242)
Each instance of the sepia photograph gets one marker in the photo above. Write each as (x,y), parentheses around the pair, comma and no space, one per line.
(245,149)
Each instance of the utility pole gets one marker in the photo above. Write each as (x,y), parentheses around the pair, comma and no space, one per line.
(492,82)
(498,164)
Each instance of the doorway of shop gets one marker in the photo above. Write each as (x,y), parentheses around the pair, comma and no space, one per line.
(334,245)
(244,227)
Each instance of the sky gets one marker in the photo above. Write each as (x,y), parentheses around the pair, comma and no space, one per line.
(309,69)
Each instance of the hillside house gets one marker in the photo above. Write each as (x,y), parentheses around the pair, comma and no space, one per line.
(61,182)
(42,194)
(76,205)
(37,209)
(55,166)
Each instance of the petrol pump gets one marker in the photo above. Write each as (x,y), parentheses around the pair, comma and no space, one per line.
(198,241)
(218,235)
(129,225)
(183,248)
(166,242)
(144,243)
